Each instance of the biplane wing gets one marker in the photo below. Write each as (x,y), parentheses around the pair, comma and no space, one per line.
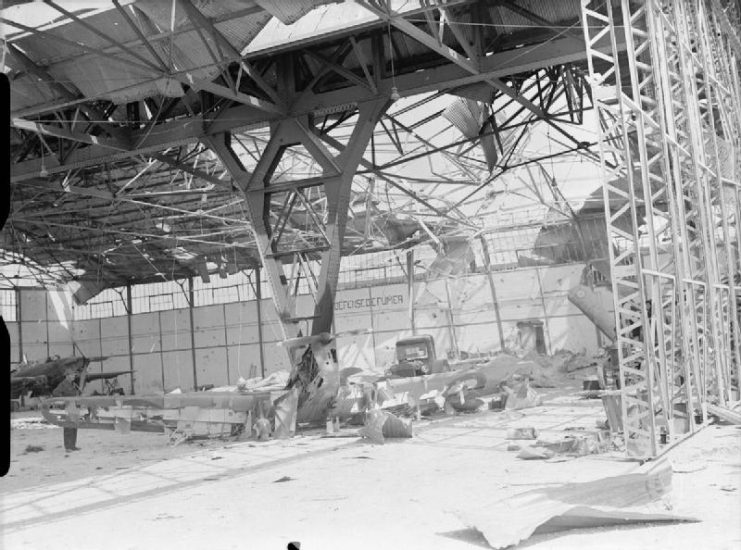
(20,385)
(93,376)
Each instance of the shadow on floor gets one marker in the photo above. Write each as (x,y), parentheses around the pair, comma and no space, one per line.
(471,535)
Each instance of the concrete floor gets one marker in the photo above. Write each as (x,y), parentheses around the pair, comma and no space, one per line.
(345,493)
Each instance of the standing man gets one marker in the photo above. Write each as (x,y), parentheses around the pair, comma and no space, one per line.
(68,388)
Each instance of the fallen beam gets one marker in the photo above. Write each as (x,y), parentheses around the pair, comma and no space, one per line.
(733,417)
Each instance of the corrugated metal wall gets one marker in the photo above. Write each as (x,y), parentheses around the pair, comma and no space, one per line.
(459,313)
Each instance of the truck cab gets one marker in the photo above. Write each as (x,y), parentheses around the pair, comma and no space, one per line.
(416,356)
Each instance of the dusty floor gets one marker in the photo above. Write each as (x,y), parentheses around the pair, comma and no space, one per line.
(341,493)
(102,452)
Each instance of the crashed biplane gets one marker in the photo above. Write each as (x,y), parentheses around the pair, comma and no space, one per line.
(307,398)
(38,379)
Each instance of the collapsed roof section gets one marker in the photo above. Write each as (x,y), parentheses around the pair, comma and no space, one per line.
(113,107)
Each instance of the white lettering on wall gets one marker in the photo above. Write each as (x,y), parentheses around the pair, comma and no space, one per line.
(365,303)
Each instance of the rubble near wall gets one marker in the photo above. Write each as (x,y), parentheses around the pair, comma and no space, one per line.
(457,312)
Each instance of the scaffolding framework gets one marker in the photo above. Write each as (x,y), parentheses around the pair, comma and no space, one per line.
(669,108)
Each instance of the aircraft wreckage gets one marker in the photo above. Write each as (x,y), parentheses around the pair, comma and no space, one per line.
(317,391)
(35,379)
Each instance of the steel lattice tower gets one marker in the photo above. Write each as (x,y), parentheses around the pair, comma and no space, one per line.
(669,107)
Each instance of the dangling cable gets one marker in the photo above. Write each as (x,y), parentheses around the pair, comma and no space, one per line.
(5,49)
(394,90)
(239,342)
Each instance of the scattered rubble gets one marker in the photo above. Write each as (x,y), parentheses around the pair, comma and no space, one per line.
(505,382)
(521,396)
(522,433)
(577,444)
(373,428)
(380,424)
(395,427)
(262,429)
(30,423)
(533,366)
(273,382)
(535,453)
(462,398)
(498,401)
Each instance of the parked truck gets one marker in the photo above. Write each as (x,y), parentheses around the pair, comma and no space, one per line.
(416,356)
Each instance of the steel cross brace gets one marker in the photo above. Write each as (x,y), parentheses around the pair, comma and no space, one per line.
(176,132)
(337,178)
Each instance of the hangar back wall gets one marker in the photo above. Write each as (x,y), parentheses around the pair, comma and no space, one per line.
(225,341)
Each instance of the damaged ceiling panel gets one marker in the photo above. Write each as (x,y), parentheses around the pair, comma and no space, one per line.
(472,121)
(195,49)
(70,52)
(289,11)
(30,92)
(114,181)
(455,257)
(104,79)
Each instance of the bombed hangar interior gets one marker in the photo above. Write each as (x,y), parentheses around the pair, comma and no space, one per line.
(256,219)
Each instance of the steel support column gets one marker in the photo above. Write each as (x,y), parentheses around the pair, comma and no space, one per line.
(338,173)
(19,317)
(260,338)
(338,197)
(287,261)
(493,289)
(46,322)
(191,303)
(410,289)
(668,119)
(130,338)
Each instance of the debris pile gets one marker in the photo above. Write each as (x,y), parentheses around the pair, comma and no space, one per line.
(567,361)
(273,382)
(261,429)
(520,395)
(505,382)
(522,433)
(382,405)
(380,424)
(573,444)
(30,423)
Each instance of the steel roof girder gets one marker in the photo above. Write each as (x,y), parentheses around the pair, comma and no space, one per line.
(562,50)
(422,37)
